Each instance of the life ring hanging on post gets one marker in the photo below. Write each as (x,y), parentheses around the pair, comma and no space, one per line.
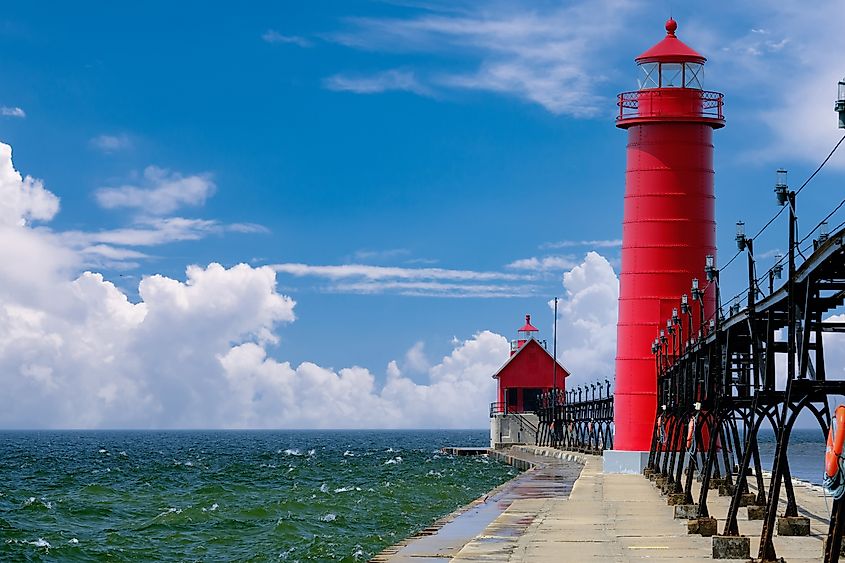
(661,430)
(691,432)
(834,473)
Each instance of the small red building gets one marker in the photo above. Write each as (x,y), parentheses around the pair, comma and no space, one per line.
(529,371)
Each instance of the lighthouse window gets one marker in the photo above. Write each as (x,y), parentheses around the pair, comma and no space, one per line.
(671,75)
(648,76)
(693,73)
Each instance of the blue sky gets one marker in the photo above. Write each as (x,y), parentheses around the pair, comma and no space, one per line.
(468,146)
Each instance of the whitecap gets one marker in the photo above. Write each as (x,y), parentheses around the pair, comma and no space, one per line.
(293,451)
(348,453)
(73,541)
(103,451)
(29,501)
(330,517)
(188,463)
(397,459)
(170,510)
(122,453)
(40,542)
(324,488)
(344,489)
(312,452)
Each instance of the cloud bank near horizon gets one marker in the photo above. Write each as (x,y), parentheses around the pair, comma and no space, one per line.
(76,352)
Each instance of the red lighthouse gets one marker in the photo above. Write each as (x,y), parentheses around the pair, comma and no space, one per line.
(669,224)
(529,372)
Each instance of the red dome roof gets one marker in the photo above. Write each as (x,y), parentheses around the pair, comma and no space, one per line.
(528,326)
(671,49)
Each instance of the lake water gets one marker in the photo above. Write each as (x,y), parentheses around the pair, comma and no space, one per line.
(229,495)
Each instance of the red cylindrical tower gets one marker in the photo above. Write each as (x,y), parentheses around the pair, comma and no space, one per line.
(669,225)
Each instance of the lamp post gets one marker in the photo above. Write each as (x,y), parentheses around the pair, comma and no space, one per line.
(671,330)
(784,196)
(775,273)
(698,295)
(676,320)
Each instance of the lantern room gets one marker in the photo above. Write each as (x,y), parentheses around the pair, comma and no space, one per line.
(529,372)
(671,63)
(670,78)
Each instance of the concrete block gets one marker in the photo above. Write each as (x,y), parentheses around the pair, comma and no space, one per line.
(716,483)
(705,526)
(647,472)
(686,511)
(731,547)
(673,499)
(660,482)
(756,512)
(618,461)
(793,526)
(670,488)
(726,490)
(747,498)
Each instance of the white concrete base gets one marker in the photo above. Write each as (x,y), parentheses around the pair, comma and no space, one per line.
(618,461)
(510,429)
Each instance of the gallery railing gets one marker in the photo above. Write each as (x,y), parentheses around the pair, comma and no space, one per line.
(580,419)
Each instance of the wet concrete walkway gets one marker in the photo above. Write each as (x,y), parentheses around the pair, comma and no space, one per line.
(551,478)
(624,518)
(541,516)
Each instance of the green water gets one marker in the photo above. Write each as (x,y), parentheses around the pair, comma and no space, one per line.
(228,496)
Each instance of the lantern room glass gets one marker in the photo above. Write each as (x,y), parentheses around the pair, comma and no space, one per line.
(649,76)
(693,73)
(670,75)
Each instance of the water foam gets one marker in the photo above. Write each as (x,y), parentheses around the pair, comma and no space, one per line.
(330,517)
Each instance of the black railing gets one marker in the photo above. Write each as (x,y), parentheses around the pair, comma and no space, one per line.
(665,102)
(715,393)
(580,419)
(500,408)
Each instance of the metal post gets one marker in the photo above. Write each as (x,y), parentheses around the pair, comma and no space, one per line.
(791,289)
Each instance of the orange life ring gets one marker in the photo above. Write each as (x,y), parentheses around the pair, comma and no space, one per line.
(690,432)
(835,442)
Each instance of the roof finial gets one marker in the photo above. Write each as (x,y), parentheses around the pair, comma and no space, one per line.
(528,319)
(671,26)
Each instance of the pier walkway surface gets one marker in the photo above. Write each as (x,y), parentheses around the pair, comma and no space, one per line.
(541,516)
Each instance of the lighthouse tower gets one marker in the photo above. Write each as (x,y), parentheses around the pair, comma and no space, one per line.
(669,223)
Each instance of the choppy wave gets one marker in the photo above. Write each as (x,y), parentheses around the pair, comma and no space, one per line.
(300,496)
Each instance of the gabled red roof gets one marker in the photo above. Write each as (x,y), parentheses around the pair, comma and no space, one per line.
(565,371)
(671,49)
(528,326)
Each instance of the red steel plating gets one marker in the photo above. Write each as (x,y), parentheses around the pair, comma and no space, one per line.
(669,224)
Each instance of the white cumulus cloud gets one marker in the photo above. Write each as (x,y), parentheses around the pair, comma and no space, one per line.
(22,199)
(111,143)
(76,352)
(12,111)
(587,316)
(161,191)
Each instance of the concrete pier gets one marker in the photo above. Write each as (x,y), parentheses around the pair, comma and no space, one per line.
(604,517)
